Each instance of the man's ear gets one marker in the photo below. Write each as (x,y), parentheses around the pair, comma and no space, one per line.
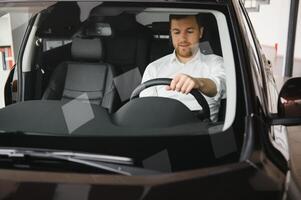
(201,32)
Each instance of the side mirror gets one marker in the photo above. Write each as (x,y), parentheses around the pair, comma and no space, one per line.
(289,100)
(289,104)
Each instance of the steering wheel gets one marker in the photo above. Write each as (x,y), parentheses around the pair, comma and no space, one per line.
(204,113)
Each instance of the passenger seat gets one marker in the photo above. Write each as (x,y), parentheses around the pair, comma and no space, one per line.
(86,73)
(126,47)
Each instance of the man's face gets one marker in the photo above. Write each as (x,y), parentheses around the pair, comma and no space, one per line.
(185,35)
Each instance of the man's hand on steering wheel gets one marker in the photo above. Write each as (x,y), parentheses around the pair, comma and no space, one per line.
(185,83)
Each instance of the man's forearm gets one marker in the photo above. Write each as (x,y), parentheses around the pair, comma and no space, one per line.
(206,86)
(185,83)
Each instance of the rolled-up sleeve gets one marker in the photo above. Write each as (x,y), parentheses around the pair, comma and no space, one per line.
(217,75)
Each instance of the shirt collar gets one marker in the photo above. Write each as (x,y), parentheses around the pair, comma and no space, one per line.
(174,58)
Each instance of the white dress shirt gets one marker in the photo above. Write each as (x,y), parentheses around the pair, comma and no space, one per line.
(200,66)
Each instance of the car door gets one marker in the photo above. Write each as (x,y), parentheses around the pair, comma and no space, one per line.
(266,86)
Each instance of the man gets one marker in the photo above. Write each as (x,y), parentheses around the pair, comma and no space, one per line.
(188,68)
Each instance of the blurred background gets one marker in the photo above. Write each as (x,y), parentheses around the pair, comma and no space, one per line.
(270,19)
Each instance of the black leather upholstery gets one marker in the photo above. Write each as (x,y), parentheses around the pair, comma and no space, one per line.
(87,50)
(211,33)
(87,74)
(128,47)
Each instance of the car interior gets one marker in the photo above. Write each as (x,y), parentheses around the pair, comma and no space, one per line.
(90,60)
(128,45)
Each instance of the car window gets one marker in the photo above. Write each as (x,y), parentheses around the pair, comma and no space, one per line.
(49,45)
(14,19)
(264,69)
(266,83)
(255,62)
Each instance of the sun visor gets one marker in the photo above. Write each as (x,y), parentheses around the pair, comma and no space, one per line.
(56,23)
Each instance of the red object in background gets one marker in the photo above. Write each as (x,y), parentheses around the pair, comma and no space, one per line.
(10,59)
(276,47)
(8,56)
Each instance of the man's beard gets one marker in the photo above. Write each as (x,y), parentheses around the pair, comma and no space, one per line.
(184,54)
(187,53)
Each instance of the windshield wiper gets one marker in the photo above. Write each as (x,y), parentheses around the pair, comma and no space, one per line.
(110,163)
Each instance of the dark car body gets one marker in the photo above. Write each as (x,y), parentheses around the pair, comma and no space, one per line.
(252,168)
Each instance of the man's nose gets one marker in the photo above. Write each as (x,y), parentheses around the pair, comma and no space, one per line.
(184,36)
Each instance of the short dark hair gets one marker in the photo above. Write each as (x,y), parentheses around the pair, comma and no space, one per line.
(178,17)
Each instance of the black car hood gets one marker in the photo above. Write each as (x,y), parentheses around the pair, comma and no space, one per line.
(234,181)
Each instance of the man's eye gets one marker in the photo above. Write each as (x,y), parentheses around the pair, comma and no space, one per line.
(190,31)
(176,32)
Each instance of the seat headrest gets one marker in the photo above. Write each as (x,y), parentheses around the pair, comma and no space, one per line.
(87,49)
(123,22)
(210,34)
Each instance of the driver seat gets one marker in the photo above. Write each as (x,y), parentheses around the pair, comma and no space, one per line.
(86,74)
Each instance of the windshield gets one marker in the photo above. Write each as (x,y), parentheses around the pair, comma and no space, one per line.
(132,80)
